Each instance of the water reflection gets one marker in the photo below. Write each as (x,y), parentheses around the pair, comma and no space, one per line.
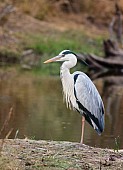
(112,94)
(39,112)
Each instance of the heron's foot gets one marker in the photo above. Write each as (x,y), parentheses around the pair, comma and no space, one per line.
(82,144)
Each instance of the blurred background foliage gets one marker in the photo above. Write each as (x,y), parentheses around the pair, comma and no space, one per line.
(96,9)
(49,26)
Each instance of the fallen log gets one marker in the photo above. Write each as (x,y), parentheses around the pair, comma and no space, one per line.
(101,67)
(101,63)
(112,60)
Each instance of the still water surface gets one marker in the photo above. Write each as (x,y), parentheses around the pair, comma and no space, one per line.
(39,111)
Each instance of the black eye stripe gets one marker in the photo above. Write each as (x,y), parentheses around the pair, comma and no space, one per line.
(68,52)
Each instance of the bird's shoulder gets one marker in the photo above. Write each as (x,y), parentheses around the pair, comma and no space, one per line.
(81,77)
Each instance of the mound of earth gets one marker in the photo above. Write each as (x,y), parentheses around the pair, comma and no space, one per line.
(30,154)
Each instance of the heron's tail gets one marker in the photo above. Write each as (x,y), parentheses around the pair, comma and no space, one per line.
(96,122)
(100,128)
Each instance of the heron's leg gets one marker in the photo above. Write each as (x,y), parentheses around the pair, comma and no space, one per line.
(82,134)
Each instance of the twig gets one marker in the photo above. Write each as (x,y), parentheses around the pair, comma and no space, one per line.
(7,120)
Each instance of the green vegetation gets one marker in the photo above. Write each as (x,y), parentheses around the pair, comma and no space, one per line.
(75,41)
(117,144)
(50,45)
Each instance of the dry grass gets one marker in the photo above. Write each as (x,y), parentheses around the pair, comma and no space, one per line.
(6,123)
(6,130)
(38,9)
(41,8)
(100,11)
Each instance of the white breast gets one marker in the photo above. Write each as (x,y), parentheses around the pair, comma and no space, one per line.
(68,88)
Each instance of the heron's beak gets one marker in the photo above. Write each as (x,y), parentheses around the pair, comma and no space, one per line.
(57,58)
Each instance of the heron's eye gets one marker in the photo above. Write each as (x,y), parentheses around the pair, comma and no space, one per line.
(63,55)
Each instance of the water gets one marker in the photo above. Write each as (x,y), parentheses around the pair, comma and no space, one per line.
(39,111)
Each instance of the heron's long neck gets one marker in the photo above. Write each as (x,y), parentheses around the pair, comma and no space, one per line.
(66,78)
(65,71)
(67,83)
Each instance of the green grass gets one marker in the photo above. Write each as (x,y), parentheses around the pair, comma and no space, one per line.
(49,45)
(75,41)
(117,144)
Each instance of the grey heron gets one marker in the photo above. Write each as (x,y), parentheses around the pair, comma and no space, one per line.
(80,93)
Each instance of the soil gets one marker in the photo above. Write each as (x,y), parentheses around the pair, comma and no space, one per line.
(21,154)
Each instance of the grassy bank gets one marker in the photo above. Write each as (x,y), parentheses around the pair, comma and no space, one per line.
(50,43)
(46,34)
(78,42)
(48,46)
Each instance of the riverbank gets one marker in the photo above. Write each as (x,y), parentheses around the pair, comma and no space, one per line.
(21,32)
(24,154)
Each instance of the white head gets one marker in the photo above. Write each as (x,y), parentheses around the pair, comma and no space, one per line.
(68,56)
